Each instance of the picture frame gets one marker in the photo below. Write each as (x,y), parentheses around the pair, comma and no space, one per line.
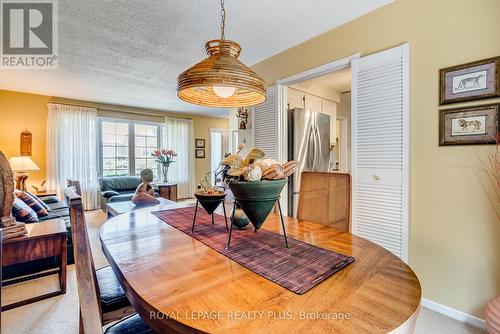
(470,81)
(199,143)
(200,153)
(469,125)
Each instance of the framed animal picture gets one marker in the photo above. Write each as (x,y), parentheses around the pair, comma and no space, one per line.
(200,143)
(472,125)
(471,81)
(200,153)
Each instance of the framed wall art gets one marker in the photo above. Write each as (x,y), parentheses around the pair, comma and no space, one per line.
(471,125)
(471,81)
(200,153)
(200,143)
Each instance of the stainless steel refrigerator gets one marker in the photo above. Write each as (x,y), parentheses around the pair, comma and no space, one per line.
(309,144)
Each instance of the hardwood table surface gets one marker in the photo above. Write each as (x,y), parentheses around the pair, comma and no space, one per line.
(179,285)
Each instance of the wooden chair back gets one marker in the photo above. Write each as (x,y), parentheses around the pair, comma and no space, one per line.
(325,198)
(76,184)
(88,290)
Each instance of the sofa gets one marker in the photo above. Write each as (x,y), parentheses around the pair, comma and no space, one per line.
(118,189)
(59,210)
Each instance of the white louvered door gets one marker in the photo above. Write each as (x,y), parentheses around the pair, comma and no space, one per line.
(380,149)
(270,128)
(265,124)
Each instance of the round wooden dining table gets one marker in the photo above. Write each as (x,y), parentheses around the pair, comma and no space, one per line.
(177,284)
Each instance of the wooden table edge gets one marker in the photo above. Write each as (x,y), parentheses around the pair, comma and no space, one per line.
(406,327)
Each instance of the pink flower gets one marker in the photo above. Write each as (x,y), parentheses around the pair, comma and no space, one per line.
(164,151)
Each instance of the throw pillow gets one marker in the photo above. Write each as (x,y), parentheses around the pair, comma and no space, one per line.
(32,203)
(42,203)
(23,213)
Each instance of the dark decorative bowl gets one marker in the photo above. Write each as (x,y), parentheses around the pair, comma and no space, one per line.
(257,198)
(210,202)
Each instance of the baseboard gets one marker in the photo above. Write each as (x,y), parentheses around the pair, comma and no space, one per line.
(454,314)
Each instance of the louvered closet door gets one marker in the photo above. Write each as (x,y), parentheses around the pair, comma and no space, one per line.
(380,117)
(265,124)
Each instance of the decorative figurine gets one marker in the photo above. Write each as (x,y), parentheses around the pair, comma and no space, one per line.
(242,114)
(144,194)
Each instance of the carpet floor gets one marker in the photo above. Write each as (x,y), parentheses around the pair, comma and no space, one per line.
(59,315)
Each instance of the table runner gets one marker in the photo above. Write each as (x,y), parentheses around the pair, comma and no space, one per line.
(298,268)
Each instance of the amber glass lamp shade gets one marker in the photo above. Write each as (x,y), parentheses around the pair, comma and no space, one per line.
(221,80)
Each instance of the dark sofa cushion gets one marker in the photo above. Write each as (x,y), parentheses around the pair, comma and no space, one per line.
(119,183)
(49,199)
(59,213)
(109,193)
(58,205)
(123,197)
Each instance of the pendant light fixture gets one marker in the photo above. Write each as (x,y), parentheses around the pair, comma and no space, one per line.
(221,80)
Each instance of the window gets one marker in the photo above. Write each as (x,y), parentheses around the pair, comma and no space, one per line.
(115,144)
(146,141)
(126,146)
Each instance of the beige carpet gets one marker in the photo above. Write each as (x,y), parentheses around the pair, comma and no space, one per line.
(59,315)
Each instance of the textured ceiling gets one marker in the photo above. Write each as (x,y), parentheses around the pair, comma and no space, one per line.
(130,52)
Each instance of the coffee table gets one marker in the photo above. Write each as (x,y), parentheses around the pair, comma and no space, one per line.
(117,208)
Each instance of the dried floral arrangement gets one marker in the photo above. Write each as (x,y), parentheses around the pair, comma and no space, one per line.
(255,168)
(491,180)
(252,168)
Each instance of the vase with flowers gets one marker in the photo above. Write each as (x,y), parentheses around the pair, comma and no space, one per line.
(164,158)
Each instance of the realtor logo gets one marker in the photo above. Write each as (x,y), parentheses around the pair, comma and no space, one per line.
(29,34)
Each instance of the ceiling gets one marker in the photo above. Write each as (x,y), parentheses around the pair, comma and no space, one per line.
(130,52)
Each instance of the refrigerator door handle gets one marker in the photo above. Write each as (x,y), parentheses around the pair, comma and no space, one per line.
(318,141)
(314,146)
(310,162)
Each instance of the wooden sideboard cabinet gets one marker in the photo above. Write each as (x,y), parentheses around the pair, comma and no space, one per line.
(168,191)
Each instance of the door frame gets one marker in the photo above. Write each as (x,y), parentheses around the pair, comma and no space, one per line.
(281,86)
(343,147)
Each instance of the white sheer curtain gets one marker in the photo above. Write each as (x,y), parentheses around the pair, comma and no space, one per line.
(178,135)
(72,150)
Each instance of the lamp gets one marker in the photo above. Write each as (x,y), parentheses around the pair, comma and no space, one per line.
(20,165)
(221,80)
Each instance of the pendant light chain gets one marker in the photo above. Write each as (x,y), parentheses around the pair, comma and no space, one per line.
(223,22)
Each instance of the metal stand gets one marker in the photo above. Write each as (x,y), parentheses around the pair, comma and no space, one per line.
(282,224)
(213,219)
(231,225)
(232,218)
(194,218)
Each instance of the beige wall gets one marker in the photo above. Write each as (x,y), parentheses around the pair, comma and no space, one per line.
(454,235)
(19,111)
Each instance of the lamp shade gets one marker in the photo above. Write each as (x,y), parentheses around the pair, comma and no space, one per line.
(22,164)
(221,80)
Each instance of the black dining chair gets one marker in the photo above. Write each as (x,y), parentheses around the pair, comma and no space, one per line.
(100,295)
